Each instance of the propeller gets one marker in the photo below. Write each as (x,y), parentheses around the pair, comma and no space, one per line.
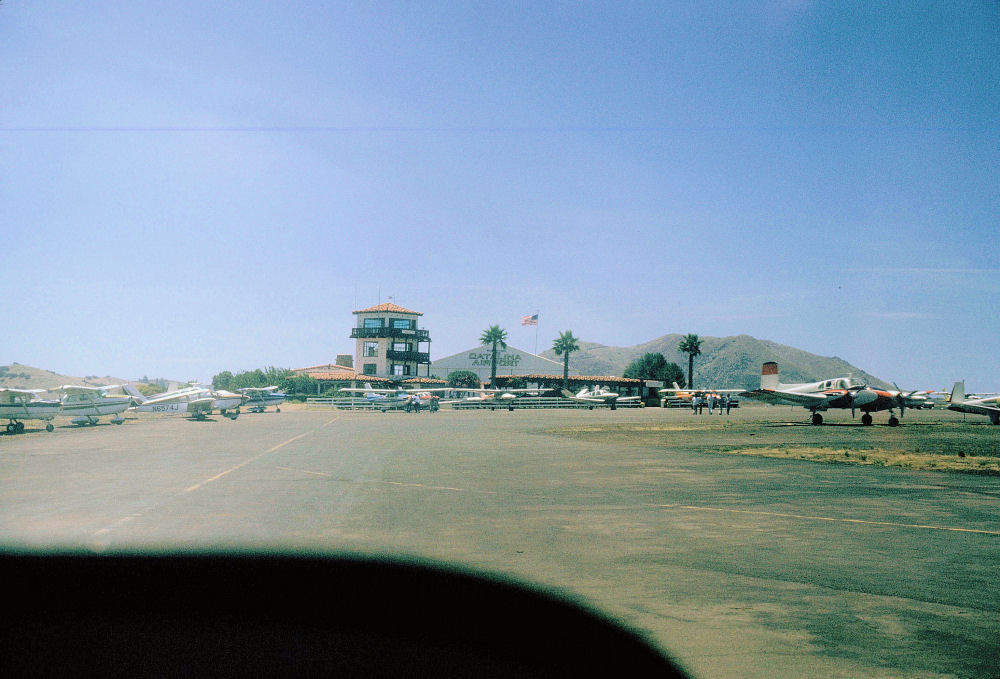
(863,396)
(901,398)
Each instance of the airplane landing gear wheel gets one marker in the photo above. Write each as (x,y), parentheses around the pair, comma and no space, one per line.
(817,419)
(10,428)
(49,427)
(277,409)
(866,419)
(893,422)
(19,427)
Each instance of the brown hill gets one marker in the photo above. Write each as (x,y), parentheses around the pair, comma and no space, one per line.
(725,362)
(21,376)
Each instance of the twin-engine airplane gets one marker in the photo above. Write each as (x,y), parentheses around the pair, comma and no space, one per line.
(989,406)
(840,392)
(599,396)
(86,404)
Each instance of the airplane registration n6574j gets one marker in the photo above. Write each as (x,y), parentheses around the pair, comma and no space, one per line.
(197,402)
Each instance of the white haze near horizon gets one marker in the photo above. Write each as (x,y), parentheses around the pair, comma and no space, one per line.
(192,187)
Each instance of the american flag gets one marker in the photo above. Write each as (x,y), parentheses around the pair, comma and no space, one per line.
(529,320)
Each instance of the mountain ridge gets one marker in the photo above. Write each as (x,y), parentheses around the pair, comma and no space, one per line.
(725,362)
(20,376)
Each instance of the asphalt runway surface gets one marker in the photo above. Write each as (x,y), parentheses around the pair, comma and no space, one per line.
(736,565)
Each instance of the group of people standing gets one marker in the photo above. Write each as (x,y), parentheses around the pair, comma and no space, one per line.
(721,402)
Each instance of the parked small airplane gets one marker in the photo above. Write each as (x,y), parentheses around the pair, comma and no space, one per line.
(17,405)
(197,402)
(599,395)
(989,406)
(86,404)
(259,398)
(681,394)
(227,403)
(391,399)
(840,392)
(495,398)
(383,399)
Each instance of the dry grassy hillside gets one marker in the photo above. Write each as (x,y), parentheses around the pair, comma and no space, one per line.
(21,376)
(724,361)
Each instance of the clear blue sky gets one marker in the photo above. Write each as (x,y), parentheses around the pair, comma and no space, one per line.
(189,187)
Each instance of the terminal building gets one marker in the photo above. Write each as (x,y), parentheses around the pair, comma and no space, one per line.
(510,362)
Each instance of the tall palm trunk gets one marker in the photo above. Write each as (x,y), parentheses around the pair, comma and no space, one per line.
(493,368)
(690,371)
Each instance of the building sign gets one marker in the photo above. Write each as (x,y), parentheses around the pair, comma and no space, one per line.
(504,360)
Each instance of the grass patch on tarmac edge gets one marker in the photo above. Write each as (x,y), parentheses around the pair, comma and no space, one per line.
(878,457)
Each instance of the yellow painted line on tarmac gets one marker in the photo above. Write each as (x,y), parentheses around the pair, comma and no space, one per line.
(420,485)
(303,471)
(834,519)
(245,463)
(388,483)
(124,520)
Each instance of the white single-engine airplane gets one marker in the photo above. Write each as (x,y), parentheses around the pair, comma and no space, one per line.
(989,406)
(24,404)
(259,398)
(86,404)
(494,398)
(392,399)
(227,403)
(599,395)
(194,401)
(839,392)
(687,394)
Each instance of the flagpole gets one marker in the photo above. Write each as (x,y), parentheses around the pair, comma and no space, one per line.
(536,331)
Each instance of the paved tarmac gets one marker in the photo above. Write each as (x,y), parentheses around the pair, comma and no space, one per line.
(738,566)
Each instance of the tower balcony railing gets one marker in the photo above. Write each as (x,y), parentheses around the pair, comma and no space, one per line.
(372,333)
(408,356)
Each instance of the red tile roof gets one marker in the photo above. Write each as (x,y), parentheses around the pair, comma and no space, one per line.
(388,306)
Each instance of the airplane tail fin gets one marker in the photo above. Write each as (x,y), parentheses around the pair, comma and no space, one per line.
(957,393)
(769,376)
(134,393)
(677,386)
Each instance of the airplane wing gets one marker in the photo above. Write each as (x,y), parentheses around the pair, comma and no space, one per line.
(257,389)
(19,396)
(585,399)
(795,398)
(180,395)
(25,392)
(200,406)
(701,391)
(976,408)
(79,389)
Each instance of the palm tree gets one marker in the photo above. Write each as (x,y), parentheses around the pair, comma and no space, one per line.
(564,345)
(691,346)
(496,336)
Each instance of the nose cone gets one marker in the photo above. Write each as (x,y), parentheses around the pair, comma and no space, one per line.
(863,397)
